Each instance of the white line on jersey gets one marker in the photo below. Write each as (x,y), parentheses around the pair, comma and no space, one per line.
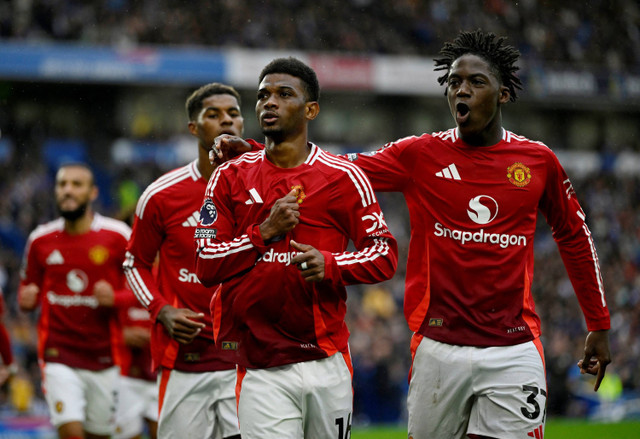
(450,172)
(254,197)
(192,221)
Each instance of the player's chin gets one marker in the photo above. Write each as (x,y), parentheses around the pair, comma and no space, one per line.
(271,130)
(467,129)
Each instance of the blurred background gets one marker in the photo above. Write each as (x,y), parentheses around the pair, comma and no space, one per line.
(105,81)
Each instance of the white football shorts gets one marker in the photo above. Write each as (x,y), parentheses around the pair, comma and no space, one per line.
(197,404)
(493,391)
(81,395)
(137,400)
(311,399)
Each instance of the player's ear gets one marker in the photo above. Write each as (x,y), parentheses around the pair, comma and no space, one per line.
(193,129)
(311,110)
(505,95)
(94,193)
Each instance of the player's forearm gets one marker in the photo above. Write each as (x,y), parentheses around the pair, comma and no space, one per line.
(216,264)
(143,285)
(124,298)
(221,259)
(372,264)
(5,346)
(583,269)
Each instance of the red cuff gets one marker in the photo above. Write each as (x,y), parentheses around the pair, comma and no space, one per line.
(256,238)
(331,271)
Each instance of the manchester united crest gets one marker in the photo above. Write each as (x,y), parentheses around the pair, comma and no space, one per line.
(301,195)
(98,254)
(519,175)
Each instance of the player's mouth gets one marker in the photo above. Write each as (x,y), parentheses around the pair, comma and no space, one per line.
(68,204)
(462,112)
(67,198)
(269,117)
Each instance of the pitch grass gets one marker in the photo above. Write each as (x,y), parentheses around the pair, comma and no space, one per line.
(555,429)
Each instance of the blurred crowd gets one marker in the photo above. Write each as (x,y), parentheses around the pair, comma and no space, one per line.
(586,34)
(589,34)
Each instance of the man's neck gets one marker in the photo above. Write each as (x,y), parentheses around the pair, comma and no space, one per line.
(204,165)
(79,226)
(488,137)
(287,154)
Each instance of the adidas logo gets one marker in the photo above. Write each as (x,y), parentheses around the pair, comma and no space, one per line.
(193,220)
(538,433)
(254,197)
(55,258)
(450,172)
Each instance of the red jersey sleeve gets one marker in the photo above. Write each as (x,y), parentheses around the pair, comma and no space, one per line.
(376,256)
(563,213)
(389,168)
(124,298)
(221,253)
(144,244)
(30,271)
(5,342)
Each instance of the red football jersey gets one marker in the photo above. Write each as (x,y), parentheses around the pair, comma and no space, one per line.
(473,213)
(265,313)
(72,328)
(135,361)
(166,217)
(6,354)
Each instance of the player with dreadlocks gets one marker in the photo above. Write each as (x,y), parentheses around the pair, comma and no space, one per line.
(473,194)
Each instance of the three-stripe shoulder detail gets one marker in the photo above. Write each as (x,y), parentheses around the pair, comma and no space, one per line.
(355,174)
(249,157)
(47,228)
(167,180)
(105,223)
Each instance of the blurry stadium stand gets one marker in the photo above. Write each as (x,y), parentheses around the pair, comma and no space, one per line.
(59,151)
(382,74)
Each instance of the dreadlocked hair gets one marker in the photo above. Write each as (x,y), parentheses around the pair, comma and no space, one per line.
(501,57)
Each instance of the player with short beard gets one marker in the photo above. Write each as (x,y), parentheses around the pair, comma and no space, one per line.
(67,261)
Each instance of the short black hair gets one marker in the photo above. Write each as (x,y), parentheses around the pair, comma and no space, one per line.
(194,101)
(501,57)
(294,67)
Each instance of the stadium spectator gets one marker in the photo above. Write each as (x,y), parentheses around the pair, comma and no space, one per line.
(66,262)
(196,385)
(277,245)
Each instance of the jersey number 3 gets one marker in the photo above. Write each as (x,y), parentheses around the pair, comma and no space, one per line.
(531,400)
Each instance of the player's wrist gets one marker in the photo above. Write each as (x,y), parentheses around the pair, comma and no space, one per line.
(266,232)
